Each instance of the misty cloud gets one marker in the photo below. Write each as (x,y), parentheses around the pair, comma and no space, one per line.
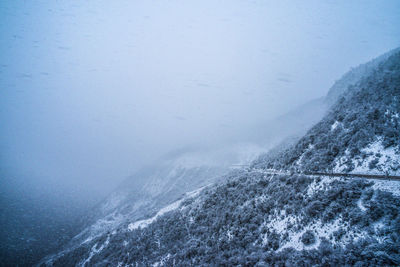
(93,90)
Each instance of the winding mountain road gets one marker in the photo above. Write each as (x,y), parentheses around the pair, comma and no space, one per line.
(332,174)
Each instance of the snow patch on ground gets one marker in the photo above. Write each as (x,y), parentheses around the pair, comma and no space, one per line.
(96,250)
(324,184)
(162,261)
(279,224)
(378,226)
(229,235)
(171,207)
(389,186)
(101,226)
(379,231)
(321,230)
(287,224)
(145,223)
(334,125)
(392,116)
(298,162)
(196,192)
(360,205)
(387,160)
(340,165)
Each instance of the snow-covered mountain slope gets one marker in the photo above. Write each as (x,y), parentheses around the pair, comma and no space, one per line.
(360,133)
(166,181)
(255,218)
(252,218)
(156,188)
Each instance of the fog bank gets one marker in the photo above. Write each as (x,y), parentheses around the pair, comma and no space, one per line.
(93,90)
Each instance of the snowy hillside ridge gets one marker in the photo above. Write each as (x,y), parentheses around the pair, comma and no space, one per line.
(144,223)
(251,217)
(378,160)
(164,182)
(365,120)
(95,250)
(171,207)
(388,186)
(318,230)
(334,125)
(282,223)
(355,75)
(254,218)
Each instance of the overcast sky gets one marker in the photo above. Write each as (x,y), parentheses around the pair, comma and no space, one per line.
(90,90)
